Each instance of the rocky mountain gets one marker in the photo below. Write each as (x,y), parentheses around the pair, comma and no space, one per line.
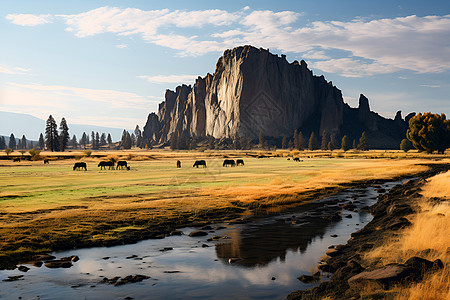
(253,91)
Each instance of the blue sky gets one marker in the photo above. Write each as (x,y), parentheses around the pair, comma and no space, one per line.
(108,63)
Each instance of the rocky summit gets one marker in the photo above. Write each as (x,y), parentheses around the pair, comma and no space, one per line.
(253,91)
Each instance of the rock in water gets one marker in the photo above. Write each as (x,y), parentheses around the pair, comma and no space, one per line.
(253,91)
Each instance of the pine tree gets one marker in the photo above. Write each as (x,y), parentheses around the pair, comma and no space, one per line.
(74,141)
(63,135)
(325,140)
(363,144)
(19,144)
(24,142)
(334,141)
(301,141)
(133,139)
(261,139)
(330,146)
(291,144)
(313,144)
(109,139)
(12,142)
(284,143)
(97,140)
(345,145)
(41,142)
(103,139)
(355,145)
(2,143)
(93,145)
(51,134)
(83,140)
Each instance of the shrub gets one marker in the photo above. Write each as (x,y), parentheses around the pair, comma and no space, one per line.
(406,145)
(87,153)
(35,154)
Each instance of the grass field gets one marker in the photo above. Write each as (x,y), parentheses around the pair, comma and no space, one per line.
(45,207)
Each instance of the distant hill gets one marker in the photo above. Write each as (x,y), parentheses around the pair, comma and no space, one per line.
(32,127)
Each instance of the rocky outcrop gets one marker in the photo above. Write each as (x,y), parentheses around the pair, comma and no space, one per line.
(253,91)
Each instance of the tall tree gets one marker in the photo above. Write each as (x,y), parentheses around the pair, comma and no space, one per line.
(133,140)
(363,144)
(103,139)
(41,142)
(19,144)
(355,144)
(126,143)
(2,143)
(12,142)
(97,140)
(51,134)
(429,132)
(93,145)
(109,139)
(345,144)
(313,144)
(284,143)
(74,141)
(325,141)
(261,139)
(83,140)
(334,141)
(63,135)
(24,142)
(301,141)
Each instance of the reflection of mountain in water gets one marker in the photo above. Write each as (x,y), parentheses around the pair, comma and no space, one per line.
(259,244)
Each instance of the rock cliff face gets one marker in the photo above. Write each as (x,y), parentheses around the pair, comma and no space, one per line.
(253,91)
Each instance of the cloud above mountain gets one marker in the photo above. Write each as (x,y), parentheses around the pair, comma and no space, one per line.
(370,47)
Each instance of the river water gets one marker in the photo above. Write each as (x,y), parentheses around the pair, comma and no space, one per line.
(272,251)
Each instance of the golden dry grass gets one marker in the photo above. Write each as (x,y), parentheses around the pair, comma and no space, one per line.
(41,206)
(430,230)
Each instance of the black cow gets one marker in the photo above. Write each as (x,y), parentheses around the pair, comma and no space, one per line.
(16,159)
(79,166)
(46,161)
(199,163)
(178,164)
(229,162)
(239,162)
(122,164)
(104,164)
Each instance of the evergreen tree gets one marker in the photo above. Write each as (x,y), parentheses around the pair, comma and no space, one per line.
(87,139)
(301,141)
(109,139)
(2,143)
(83,140)
(93,145)
(12,142)
(103,139)
(325,141)
(41,142)
(363,144)
(19,144)
(296,141)
(51,134)
(133,139)
(313,144)
(345,145)
(126,140)
(97,140)
(74,141)
(291,144)
(330,146)
(355,145)
(261,139)
(24,142)
(63,135)
(284,143)
(334,141)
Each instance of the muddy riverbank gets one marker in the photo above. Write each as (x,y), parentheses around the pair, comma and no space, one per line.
(351,273)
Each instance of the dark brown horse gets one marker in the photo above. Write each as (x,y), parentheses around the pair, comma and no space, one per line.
(122,164)
(178,164)
(79,166)
(239,162)
(46,161)
(16,159)
(199,163)
(229,162)
(104,164)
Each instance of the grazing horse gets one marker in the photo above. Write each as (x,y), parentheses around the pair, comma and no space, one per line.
(229,162)
(121,164)
(178,164)
(79,166)
(297,159)
(16,159)
(199,163)
(104,164)
(46,161)
(239,162)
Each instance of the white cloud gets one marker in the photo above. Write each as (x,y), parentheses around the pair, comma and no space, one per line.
(29,19)
(379,46)
(431,85)
(13,70)
(169,78)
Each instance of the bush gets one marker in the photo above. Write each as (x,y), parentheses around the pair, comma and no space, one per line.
(112,158)
(429,132)
(406,145)
(35,154)
(87,153)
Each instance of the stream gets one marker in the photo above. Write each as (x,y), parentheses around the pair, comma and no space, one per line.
(260,259)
